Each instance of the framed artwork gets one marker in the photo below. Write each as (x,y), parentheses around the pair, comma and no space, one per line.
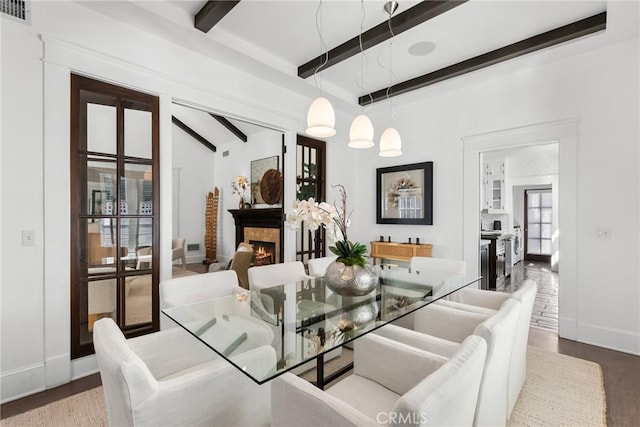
(404,194)
(258,169)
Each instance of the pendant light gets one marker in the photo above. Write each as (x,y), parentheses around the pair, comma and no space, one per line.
(321,119)
(361,130)
(390,141)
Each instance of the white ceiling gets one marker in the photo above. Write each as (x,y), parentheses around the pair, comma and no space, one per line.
(275,37)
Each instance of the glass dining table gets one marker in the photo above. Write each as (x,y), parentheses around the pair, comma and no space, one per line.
(305,320)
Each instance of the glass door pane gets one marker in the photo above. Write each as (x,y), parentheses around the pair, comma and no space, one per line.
(539,212)
(114,208)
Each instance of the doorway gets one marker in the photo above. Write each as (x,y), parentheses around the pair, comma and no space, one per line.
(563,132)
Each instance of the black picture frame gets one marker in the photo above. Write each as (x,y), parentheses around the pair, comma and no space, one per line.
(404,194)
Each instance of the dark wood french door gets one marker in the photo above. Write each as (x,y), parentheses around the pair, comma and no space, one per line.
(114,210)
(310,182)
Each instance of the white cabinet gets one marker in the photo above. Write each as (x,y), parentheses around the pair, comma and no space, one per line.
(493,185)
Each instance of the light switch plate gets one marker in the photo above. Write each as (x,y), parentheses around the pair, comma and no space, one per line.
(603,233)
(28,238)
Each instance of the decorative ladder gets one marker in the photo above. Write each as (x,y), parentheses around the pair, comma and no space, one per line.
(211,226)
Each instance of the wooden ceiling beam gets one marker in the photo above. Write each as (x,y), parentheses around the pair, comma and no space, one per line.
(404,21)
(192,133)
(211,13)
(553,37)
(230,127)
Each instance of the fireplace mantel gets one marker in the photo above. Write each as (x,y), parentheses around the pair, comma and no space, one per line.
(259,218)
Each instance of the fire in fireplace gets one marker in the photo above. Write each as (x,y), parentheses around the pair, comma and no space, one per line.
(263,252)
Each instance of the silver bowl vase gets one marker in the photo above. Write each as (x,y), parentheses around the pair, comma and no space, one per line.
(351,280)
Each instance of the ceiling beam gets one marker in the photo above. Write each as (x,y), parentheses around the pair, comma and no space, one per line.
(553,37)
(195,135)
(230,127)
(211,13)
(404,21)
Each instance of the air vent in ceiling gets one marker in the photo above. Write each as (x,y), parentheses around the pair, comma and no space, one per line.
(19,10)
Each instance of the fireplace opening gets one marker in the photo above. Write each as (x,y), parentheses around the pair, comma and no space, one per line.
(264,253)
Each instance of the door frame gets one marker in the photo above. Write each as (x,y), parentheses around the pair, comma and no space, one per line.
(565,133)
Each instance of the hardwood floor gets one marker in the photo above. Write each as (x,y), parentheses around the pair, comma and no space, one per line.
(545,308)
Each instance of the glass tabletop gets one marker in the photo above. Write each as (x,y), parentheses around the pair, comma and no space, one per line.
(305,319)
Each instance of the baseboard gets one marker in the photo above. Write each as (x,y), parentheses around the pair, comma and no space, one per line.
(614,339)
(83,367)
(567,328)
(57,370)
(22,382)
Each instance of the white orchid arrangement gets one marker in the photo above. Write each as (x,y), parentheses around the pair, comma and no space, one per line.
(335,221)
(239,185)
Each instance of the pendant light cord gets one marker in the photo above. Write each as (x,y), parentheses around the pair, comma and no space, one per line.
(363,56)
(322,45)
(391,74)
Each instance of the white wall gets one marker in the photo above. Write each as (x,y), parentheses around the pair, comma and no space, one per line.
(36,64)
(266,143)
(195,164)
(600,88)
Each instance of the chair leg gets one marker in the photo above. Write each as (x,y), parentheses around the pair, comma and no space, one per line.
(184,261)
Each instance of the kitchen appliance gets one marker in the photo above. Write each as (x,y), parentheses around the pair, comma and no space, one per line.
(516,245)
(497,225)
(508,253)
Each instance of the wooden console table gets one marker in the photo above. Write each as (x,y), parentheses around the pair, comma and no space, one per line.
(399,251)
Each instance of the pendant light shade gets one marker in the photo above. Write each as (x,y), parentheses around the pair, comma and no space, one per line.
(390,143)
(321,119)
(361,132)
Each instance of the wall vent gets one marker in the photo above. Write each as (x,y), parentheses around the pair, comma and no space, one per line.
(18,10)
(225,153)
(191,247)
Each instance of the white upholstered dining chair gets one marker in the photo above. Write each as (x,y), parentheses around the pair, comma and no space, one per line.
(390,381)
(440,329)
(170,378)
(487,302)
(317,266)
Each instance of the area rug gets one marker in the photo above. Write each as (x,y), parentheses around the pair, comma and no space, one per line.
(559,391)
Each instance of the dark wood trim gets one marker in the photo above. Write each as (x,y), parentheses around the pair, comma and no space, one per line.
(230,127)
(553,37)
(192,133)
(402,22)
(211,13)
(83,91)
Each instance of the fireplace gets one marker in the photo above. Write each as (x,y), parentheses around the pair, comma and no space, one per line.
(264,253)
(264,226)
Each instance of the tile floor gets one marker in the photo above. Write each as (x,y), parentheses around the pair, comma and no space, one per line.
(545,309)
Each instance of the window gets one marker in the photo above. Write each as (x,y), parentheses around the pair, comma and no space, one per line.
(114,210)
(539,214)
(310,182)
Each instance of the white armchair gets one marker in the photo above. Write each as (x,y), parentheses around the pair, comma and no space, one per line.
(317,266)
(266,276)
(439,329)
(198,287)
(390,381)
(178,251)
(481,301)
(169,378)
